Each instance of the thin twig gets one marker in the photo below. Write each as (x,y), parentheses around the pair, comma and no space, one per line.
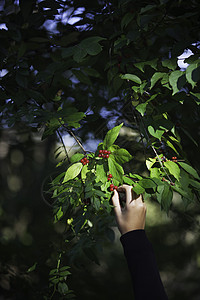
(60,136)
(76,139)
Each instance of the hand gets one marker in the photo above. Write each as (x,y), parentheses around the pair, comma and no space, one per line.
(132,216)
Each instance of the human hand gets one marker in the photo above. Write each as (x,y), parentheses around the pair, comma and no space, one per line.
(132,215)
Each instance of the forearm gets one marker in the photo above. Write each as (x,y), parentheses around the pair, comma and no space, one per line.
(143,267)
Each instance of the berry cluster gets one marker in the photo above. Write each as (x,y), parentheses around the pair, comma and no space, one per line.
(174,158)
(104,153)
(113,187)
(109,177)
(84,161)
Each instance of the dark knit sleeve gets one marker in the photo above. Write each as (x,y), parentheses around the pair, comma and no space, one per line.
(141,261)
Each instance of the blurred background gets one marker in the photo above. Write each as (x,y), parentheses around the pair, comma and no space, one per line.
(28,235)
(30,40)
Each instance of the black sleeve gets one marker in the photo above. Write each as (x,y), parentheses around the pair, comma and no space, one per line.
(147,284)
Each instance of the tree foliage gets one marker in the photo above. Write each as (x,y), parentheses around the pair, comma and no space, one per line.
(121,56)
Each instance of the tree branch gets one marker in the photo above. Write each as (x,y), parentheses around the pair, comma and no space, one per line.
(60,136)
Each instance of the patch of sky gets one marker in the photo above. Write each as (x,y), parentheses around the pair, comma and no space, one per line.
(3,26)
(91,143)
(51,26)
(3,72)
(74,17)
(111,119)
(182,65)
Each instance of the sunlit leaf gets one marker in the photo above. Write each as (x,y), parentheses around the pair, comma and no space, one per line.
(72,171)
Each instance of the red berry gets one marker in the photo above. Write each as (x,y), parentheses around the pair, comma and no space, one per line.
(108,152)
(103,155)
(115,187)
(109,179)
(82,160)
(107,155)
(99,155)
(100,151)
(175,157)
(85,159)
(110,175)
(112,185)
(84,163)
(111,189)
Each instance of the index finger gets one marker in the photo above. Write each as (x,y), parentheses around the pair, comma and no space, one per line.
(128,191)
(116,203)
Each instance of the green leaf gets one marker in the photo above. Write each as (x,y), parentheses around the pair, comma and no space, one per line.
(173,168)
(127,18)
(177,80)
(100,193)
(82,77)
(76,157)
(101,173)
(150,162)
(58,215)
(62,288)
(64,273)
(121,155)
(196,96)
(131,77)
(73,171)
(155,173)
(147,8)
(67,52)
(170,63)
(92,72)
(138,189)
(89,46)
(179,190)
(159,193)
(111,136)
(189,73)
(152,63)
(128,181)
(79,53)
(96,203)
(84,172)
(147,183)
(156,76)
(64,268)
(142,108)
(165,196)
(31,269)
(195,184)
(115,169)
(189,169)
(157,133)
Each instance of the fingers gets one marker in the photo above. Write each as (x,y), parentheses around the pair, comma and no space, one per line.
(139,199)
(116,203)
(128,191)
